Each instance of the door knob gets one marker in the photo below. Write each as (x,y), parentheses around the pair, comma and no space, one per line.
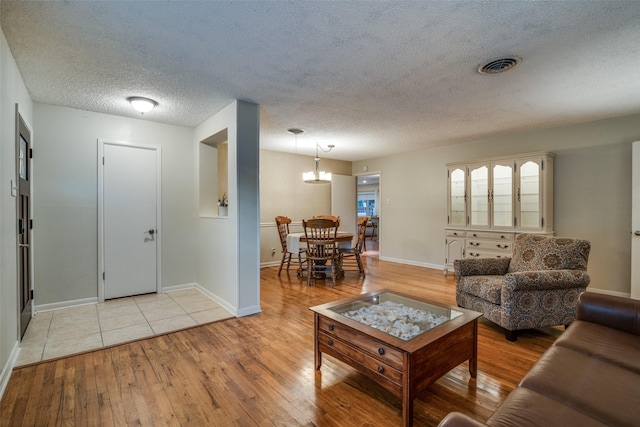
(637,233)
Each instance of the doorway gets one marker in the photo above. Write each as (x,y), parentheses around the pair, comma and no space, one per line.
(129,218)
(368,204)
(23,193)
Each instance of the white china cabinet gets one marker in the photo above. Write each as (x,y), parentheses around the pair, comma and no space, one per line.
(490,201)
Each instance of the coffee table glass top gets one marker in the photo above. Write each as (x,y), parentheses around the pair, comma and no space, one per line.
(396,315)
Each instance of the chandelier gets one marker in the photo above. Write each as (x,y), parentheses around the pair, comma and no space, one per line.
(318,177)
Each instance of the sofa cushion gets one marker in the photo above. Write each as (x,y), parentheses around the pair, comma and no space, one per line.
(526,408)
(591,386)
(535,252)
(604,343)
(486,287)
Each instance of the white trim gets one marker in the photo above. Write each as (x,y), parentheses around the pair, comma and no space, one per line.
(247,311)
(65,304)
(175,288)
(8,368)
(411,262)
(269,264)
(159,234)
(231,309)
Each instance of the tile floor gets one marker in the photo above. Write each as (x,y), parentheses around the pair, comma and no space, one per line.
(57,333)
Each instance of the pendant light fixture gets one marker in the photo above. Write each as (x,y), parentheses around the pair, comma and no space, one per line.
(317,176)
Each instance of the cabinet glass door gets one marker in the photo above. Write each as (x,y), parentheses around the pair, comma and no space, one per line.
(479,195)
(529,194)
(457,198)
(502,195)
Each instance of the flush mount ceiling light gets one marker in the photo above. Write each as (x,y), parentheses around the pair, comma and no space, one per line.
(142,105)
(499,65)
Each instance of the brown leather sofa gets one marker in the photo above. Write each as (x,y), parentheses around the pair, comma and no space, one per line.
(589,377)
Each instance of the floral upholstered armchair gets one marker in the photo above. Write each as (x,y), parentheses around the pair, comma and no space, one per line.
(537,287)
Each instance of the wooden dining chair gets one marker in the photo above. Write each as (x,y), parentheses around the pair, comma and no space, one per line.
(322,248)
(350,258)
(331,217)
(282,223)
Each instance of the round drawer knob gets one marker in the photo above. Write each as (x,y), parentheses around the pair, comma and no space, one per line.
(331,327)
(330,342)
(381,369)
(381,351)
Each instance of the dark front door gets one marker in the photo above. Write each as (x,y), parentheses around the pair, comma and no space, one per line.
(23,151)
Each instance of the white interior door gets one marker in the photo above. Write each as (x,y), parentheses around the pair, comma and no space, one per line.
(344,196)
(130,238)
(635,223)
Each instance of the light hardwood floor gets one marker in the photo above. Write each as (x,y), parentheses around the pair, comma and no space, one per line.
(258,370)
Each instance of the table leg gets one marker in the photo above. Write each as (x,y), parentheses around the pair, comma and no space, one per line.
(473,362)
(317,356)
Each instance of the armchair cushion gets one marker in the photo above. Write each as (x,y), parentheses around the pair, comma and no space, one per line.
(546,280)
(535,252)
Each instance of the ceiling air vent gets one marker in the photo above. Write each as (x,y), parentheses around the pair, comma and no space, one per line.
(499,65)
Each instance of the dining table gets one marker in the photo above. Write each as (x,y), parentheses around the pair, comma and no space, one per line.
(343,238)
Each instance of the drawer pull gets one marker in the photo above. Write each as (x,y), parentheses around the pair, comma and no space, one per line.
(331,327)
(381,369)
(503,246)
(474,243)
(381,351)
(330,342)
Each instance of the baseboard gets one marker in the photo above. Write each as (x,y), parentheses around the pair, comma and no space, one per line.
(179,287)
(65,304)
(231,309)
(415,263)
(269,264)
(8,368)
(608,292)
(248,311)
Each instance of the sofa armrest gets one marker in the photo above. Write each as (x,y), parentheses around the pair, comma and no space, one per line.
(455,419)
(614,312)
(546,280)
(481,266)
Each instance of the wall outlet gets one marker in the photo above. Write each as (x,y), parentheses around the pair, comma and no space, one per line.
(273,251)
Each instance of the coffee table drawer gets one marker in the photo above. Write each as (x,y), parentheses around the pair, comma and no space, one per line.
(364,359)
(372,346)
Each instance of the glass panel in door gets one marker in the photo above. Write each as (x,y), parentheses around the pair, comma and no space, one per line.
(529,195)
(479,195)
(457,198)
(502,196)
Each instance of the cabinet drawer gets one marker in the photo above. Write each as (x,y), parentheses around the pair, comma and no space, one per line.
(370,345)
(364,359)
(489,245)
(455,233)
(485,235)
(472,253)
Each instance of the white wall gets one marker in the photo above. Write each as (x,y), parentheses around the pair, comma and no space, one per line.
(12,91)
(227,258)
(65,173)
(592,194)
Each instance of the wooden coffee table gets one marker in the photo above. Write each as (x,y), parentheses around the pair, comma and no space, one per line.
(404,365)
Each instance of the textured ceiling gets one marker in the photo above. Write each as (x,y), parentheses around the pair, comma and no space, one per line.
(373,78)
